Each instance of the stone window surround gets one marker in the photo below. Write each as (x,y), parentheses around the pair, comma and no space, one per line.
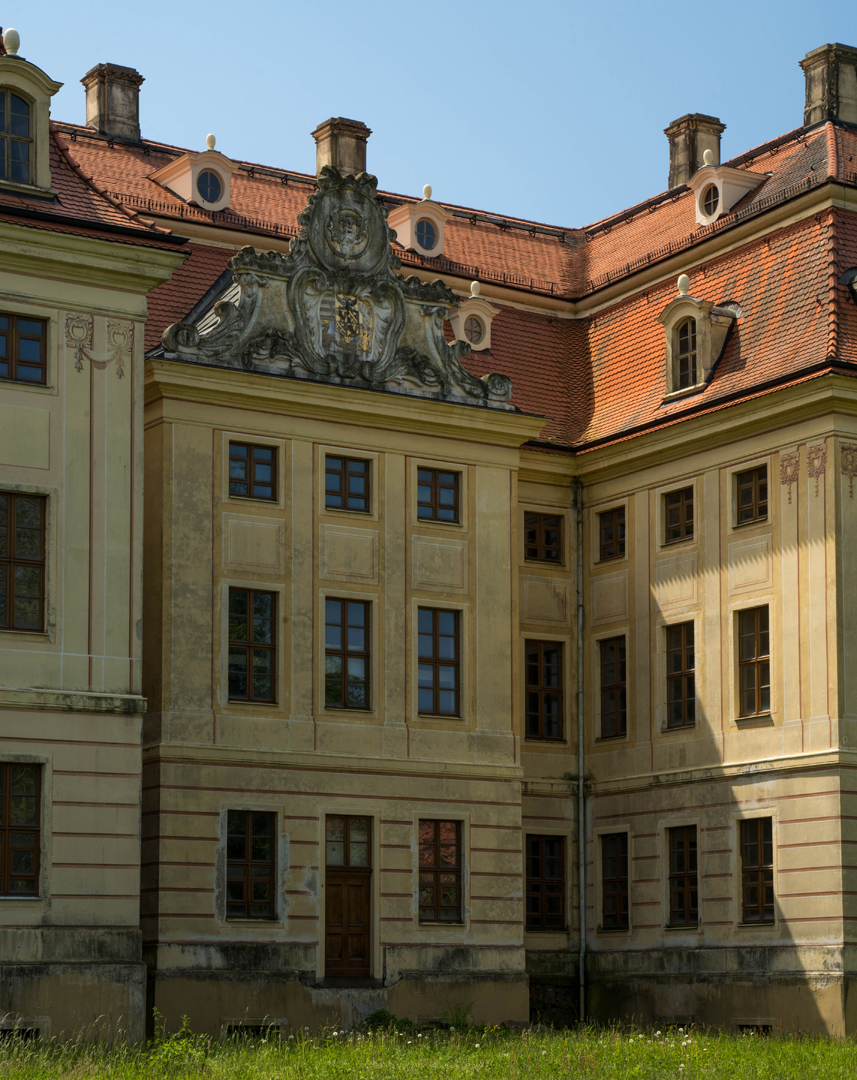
(766,719)
(45,836)
(260,709)
(713,324)
(283,468)
(598,875)
(768,811)
(48,635)
(437,930)
(31,83)
(373,602)
(597,739)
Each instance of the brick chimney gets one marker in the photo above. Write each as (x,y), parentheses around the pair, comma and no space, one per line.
(690,136)
(113,100)
(342,143)
(831,84)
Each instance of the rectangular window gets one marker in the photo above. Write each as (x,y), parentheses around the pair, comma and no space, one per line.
(22,349)
(439,665)
(611,534)
(250,864)
(757,870)
(22,561)
(252,471)
(681,680)
(347,841)
(437,495)
(754,661)
(252,645)
(752,495)
(346,654)
(678,513)
(545,883)
(544,689)
(543,538)
(440,871)
(346,484)
(614,706)
(684,903)
(20,792)
(614,881)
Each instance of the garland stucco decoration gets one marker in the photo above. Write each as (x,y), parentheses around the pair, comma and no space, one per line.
(789,467)
(334,309)
(848,464)
(816,462)
(120,342)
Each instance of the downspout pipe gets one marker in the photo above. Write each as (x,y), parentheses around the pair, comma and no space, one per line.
(581,798)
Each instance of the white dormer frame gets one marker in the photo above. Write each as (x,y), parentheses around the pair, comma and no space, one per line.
(482,310)
(34,86)
(712,327)
(731,184)
(182,174)
(404,219)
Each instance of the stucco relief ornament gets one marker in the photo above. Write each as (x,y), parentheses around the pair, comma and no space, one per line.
(789,467)
(335,309)
(816,462)
(848,464)
(120,341)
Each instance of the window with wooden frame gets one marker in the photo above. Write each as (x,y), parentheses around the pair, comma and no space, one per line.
(543,661)
(614,689)
(678,515)
(22,561)
(346,484)
(684,901)
(611,534)
(252,645)
(437,495)
(20,792)
(16,138)
(543,538)
(439,667)
(684,375)
(250,864)
(253,471)
(23,350)
(754,661)
(346,654)
(440,863)
(347,841)
(614,881)
(545,883)
(757,870)
(681,676)
(752,495)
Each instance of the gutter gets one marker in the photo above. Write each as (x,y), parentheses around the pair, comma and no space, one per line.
(581,798)
(98,227)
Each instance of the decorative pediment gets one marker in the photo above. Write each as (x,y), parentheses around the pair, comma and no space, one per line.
(335,310)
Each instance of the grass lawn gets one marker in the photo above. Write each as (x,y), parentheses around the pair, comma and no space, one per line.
(585,1052)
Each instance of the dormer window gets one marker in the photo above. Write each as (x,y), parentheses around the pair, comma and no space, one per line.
(717,188)
(209,186)
(199,179)
(419,225)
(710,199)
(474,331)
(685,355)
(16,140)
(471,321)
(696,332)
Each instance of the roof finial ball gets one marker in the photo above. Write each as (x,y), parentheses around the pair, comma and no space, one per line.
(427,192)
(474,288)
(210,142)
(708,157)
(683,285)
(11,41)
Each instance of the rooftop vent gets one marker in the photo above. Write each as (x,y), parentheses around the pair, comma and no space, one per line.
(341,143)
(113,100)
(690,136)
(831,84)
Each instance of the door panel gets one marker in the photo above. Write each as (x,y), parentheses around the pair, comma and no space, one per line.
(347,923)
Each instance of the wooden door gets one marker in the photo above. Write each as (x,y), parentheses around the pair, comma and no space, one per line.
(348,906)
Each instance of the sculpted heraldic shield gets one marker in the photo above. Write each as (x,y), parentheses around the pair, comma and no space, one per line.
(335,310)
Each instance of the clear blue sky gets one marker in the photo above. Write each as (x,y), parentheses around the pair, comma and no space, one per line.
(540,109)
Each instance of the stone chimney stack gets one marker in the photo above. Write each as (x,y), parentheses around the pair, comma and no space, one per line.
(342,143)
(690,136)
(113,100)
(831,84)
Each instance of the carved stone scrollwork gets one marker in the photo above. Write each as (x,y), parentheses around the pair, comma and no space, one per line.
(120,342)
(848,464)
(335,310)
(789,467)
(816,462)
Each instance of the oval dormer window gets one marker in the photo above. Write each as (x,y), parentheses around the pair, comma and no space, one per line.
(15,137)
(474,331)
(710,200)
(426,234)
(209,186)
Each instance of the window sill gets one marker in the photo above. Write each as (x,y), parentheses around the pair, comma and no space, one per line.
(611,738)
(613,930)
(346,510)
(254,499)
(750,524)
(245,701)
(342,710)
(249,919)
(686,391)
(676,728)
(438,716)
(691,927)
(545,929)
(48,194)
(681,540)
(435,521)
(25,383)
(770,925)
(544,562)
(435,925)
(764,719)
(542,740)
(12,896)
(611,558)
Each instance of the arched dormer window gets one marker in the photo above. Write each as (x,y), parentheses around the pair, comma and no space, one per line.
(16,137)
(684,375)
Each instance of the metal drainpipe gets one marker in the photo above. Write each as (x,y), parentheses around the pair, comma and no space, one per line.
(581,798)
